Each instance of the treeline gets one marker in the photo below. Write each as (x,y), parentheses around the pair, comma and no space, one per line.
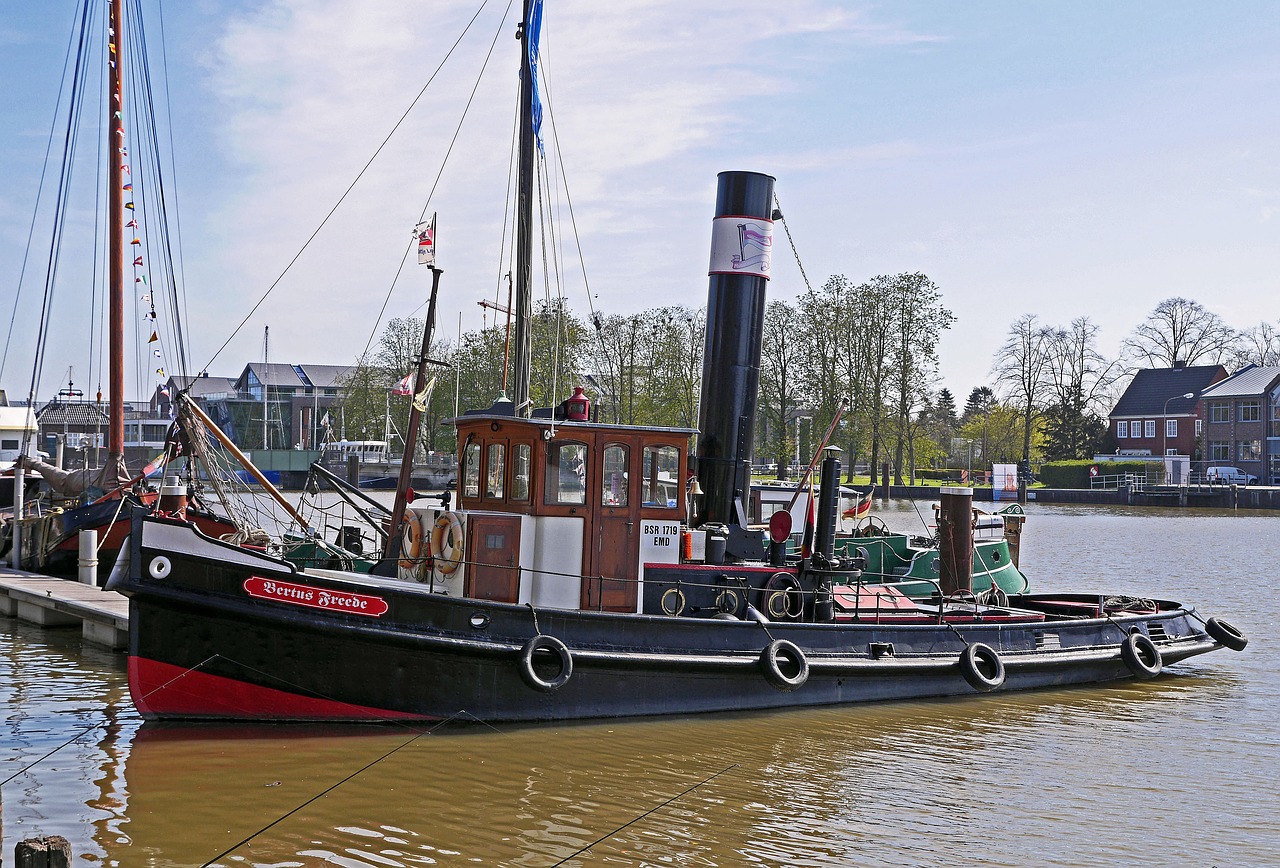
(867,351)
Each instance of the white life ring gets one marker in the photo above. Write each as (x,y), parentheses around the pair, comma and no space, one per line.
(447,543)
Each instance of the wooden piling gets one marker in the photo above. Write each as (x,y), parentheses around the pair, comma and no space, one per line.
(51,852)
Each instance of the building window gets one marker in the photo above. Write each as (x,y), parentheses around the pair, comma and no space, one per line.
(1199,426)
(1250,411)
(1135,428)
(1149,428)
(1219,450)
(1171,427)
(1250,450)
(1219,411)
(1122,430)
(8,444)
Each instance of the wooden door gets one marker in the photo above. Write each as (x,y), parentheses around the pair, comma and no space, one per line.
(610,584)
(493,549)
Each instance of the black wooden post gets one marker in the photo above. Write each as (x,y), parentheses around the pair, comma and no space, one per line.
(51,852)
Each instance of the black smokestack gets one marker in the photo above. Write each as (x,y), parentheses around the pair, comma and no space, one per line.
(741,255)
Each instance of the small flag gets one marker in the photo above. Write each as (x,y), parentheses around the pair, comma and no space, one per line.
(164,390)
(155,353)
(423,398)
(403,387)
(128,206)
(426,233)
(125,167)
(127,187)
(132,224)
(160,371)
(324,420)
(136,241)
(154,337)
(137,261)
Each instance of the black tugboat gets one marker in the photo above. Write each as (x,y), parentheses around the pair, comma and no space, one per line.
(593,570)
(571,581)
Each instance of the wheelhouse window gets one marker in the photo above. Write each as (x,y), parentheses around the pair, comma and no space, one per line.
(1122,430)
(566,477)
(471,470)
(495,471)
(520,471)
(614,479)
(660,480)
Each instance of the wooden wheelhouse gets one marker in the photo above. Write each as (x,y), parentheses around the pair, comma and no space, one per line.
(564,499)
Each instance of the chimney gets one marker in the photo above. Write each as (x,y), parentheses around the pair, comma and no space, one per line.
(741,255)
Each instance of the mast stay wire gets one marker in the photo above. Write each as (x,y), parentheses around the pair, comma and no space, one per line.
(70,138)
(786,228)
(349,188)
(404,258)
(53,125)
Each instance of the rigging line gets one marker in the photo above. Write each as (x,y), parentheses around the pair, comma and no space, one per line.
(645,814)
(48,149)
(180,281)
(350,187)
(794,252)
(79,735)
(60,208)
(457,131)
(573,220)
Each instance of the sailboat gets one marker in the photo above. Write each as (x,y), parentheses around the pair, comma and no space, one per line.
(580,576)
(50,542)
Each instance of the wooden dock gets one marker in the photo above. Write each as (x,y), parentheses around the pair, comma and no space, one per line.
(103,616)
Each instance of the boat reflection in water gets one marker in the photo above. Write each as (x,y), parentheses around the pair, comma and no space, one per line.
(806,787)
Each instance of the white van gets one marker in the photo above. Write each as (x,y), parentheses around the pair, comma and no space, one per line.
(1229,475)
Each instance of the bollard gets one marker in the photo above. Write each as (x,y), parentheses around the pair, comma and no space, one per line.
(88,574)
(51,852)
(955,540)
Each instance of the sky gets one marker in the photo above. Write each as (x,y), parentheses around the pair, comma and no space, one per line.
(1066,160)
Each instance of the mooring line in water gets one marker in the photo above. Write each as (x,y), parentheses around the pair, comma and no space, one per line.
(330,789)
(88,729)
(642,816)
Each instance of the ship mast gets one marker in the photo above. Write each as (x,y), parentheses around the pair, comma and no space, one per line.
(114,472)
(524,214)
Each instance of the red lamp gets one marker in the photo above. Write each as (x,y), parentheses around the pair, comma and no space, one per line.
(577,408)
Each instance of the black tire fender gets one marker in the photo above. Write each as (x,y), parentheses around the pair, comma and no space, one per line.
(1225,634)
(782,653)
(1141,655)
(982,667)
(543,642)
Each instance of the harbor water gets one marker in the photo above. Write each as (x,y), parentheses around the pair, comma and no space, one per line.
(1176,771)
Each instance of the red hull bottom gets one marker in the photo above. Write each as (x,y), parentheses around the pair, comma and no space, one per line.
(163,690)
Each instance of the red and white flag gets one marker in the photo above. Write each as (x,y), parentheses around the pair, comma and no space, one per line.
(426,234)
(404,386)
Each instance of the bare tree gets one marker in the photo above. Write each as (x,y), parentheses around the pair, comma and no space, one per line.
(1020,367)
(779,380)
(1079,380)
(1259,345)
(918,320)
(1180,330)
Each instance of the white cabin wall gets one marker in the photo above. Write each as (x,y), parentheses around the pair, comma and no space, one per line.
(556,563)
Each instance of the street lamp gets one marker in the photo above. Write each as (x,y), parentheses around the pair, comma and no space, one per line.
(1164,420)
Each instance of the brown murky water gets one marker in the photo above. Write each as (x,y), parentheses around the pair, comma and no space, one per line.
(1178,771)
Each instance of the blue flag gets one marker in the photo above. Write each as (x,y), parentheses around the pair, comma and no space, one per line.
(534,27)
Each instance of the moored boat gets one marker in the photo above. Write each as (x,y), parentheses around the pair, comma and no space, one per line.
(574,580)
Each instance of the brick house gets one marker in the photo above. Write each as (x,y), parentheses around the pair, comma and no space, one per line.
(1153,417)
(1242,422)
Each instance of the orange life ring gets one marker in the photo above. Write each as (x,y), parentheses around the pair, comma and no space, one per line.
(447,560)
(411,544)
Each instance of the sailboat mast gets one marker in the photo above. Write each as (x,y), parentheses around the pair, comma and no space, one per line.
(524,226)
(115,285)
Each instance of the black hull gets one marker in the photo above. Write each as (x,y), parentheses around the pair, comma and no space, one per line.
(201,646)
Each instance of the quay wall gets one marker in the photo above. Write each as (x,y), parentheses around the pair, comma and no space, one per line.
(1211,497)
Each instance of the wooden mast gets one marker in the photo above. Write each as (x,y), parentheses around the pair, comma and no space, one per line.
(415,421)
(524,227)
(114,472)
